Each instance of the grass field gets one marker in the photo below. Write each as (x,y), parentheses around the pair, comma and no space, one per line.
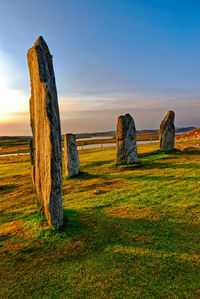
(138,238)
(14,145)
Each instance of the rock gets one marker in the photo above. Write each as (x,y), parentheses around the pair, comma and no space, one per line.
(4,235)
(31,148)
(126,140)
(71,155)
(167,132)
(71,186)
(190,148)
(45,124)
(96,191)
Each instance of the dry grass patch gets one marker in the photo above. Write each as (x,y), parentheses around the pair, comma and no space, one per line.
(135,213)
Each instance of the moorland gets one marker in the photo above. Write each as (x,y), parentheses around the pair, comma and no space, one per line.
(138,236)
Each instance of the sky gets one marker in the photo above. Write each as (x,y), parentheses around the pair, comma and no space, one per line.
(110,57)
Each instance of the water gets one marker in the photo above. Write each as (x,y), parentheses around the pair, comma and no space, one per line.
(110,144)
(94,138)
(88,146)
(18,154)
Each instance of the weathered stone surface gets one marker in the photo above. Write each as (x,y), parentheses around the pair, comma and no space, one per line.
(71,155)
(126,140)
(31,148)
(191,148)
(96,191)
(167,132)
(45,124)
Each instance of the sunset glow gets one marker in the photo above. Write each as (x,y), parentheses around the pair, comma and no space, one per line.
(137,58)
(13,101)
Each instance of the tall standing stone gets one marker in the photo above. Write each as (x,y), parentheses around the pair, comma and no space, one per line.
(31,148)
(45,124)
(71,155)
(167,132)
(126,140)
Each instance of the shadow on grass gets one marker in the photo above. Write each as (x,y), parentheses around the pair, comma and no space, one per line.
(153,165)
(95,232)
(4,189)
(83,175)
(155,251)
(160,153)
(97,163)
(149,178)
(191,153)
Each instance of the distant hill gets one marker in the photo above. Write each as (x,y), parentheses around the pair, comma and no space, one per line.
(139,132)
(191,135)
(13,140)
(183,130)
(87,135)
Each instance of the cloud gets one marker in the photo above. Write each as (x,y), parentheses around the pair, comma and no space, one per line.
(85,114)
(13,100)
(94,102)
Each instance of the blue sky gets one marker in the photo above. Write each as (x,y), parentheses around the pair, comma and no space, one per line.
(110,57)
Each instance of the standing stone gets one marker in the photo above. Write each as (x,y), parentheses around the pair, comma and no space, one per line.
(45,124)
(71,155)
(167,132)
(126,140)
(31,148)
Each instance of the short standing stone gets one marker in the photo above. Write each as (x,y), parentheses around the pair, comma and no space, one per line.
(126,140)
(31,148)
(45,124)
(71,155)
(167,132)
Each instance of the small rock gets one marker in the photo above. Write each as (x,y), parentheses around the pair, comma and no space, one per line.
(102,183)
(97,191)
(189,148)
(71,186)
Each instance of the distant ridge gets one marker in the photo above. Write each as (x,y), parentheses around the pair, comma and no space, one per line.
(191,135)
(107,133)
(183,130)
(139,132)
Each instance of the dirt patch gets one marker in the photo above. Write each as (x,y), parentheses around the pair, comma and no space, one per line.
(148,212)
(9,228)
(141,237)
(20,176)
(15,228)
(74,244)
(136,213)
(10,247)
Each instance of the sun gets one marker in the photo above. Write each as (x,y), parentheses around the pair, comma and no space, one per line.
(13,101)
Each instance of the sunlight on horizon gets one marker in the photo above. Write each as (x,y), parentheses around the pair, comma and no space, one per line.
(13,100)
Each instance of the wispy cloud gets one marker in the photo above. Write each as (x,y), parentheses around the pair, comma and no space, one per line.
(93,103)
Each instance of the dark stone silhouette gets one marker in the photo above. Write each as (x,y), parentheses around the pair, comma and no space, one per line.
(126,140)
(45,124)
(31,148)
(71,155)
(167,132)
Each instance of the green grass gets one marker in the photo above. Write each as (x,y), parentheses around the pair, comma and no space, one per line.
(8,141)
(138,238)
